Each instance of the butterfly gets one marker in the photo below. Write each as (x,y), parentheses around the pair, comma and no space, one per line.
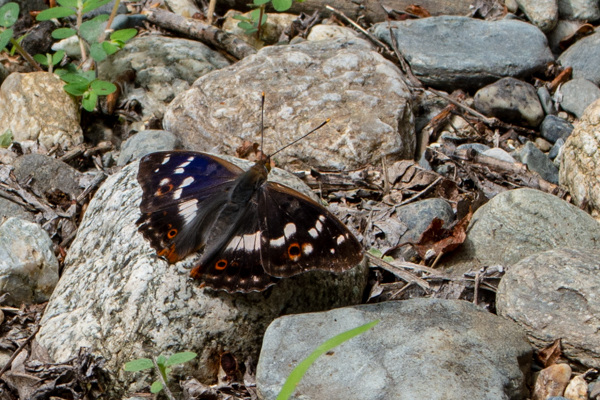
(253,231)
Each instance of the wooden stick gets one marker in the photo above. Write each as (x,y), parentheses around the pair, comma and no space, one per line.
(197,30)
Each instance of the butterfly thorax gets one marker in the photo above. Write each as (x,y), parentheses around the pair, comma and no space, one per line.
(249,182)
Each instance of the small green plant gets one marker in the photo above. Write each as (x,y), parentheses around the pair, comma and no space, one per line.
(81,81)
(6,139)
(296,375)
(251,24)
(9,13)
(162,365)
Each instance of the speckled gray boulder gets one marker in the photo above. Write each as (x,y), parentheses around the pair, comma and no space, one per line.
(34,106)
(345,80)
(554,295)
(28,267)
(580,161)
(118,298)
(421,349)
(518,223)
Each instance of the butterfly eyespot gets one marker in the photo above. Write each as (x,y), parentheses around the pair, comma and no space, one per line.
(294,251)
(172,233)
(164,189)
(221,265)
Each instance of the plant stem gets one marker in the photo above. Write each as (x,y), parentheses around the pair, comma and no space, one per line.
(79,22)
(163,380)
(25,55)
(113,13)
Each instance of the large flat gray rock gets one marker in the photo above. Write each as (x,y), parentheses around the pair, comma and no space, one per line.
(450,52)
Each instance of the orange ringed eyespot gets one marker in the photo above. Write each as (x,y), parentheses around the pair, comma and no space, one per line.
(164,189)
(221,265)
(294,251)
(172,233)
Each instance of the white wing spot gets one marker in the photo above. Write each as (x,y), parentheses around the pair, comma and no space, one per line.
(322,218)
(307,248)
(191,158)
(164,181)
(278,242)
(313,233)
(341,239)
(188,209)
(156,170)
(233,243)
(318,225)
(179,171)
(166,160)
(177,193)
(332,251)
(184,164)
(187,182)
(289,230)
(252,242)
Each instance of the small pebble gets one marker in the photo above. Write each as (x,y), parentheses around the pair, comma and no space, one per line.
(551,381)
(542,144)
(577,389)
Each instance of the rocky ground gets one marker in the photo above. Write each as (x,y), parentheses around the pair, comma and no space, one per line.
(462,151)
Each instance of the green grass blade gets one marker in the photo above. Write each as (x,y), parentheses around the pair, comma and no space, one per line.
(296,375)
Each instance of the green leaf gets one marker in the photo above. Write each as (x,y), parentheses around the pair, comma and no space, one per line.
(161,360)
(282,5)
(156,387)
(93,4)
(75,89)
(55,12)
(5,38)
(296,375)
(375,252)
(102,88)
(241,17)
(89,100)
(75,78)
(41,58)
(246,26)
(180,358)
(91,30)
(9,14)
(97,52)
(67,3)
(138,365)
(260,2)
(255,14)
(63,33)
(123,35)
(110,48)
(57,57)
(6,138)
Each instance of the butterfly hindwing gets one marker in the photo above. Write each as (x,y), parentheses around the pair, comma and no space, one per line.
(182,191)
(237,263)
(302,235)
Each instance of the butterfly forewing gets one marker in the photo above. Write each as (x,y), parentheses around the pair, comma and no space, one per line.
(182,192)
(299,235)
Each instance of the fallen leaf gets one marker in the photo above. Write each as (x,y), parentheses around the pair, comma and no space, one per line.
(549,354)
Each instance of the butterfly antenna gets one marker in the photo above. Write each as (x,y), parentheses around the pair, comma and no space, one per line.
(302,137)
(262,119)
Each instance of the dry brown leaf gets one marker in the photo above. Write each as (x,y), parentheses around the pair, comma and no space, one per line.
(549,354)
(583,30)
(418,11)
(441,240)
